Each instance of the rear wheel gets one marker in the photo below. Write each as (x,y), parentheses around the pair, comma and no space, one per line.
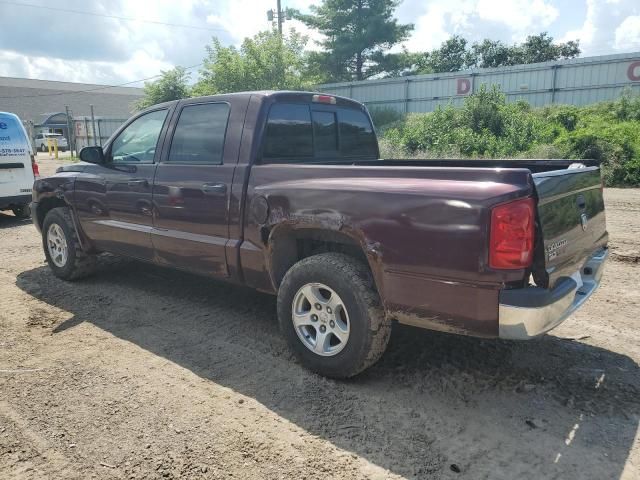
(62,248)
(331,315)
(23,211)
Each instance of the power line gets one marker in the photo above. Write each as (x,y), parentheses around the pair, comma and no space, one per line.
(104,15)
(89,90)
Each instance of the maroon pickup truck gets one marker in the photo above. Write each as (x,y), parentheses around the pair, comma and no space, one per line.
(284,192)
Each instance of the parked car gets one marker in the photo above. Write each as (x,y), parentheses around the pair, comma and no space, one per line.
(284,192)
(42,139)
(18,168)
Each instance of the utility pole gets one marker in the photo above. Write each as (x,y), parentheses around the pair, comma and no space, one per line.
(279,15)
(70,132)
(93,126)
(280,19)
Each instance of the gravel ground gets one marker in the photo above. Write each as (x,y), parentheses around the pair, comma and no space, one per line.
(141,372)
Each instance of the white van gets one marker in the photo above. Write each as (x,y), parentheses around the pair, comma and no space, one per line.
(18,168)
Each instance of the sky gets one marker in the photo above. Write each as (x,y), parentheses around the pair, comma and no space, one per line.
(58,43)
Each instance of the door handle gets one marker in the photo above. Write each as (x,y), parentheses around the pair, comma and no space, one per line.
(138,183)
(214,188)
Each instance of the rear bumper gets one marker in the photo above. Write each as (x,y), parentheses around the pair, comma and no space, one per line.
(14,201)
(525,313)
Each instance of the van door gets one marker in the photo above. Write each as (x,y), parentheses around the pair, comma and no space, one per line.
(192,187)
(16,173)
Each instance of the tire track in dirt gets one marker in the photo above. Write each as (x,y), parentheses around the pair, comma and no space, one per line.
(162,374)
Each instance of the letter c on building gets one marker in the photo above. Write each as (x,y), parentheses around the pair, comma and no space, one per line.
(631,72)
(464,86)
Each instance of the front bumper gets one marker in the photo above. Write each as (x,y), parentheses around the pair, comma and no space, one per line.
(525,313)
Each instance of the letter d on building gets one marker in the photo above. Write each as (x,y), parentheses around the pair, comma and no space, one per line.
(464,86)
(631,72)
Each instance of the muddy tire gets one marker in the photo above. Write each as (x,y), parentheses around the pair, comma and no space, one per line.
(331,315)
(62,247)
(22,211)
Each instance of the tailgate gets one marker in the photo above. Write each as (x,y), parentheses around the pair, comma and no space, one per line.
(572,221)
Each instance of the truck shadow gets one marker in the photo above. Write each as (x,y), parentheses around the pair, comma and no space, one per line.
(435,404)
(8,220)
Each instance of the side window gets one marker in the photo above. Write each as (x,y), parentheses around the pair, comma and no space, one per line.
(288,133)
(199,134)
(357,138)
(137,142)
(325,135)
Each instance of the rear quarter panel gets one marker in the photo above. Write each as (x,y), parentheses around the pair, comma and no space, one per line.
(424,232)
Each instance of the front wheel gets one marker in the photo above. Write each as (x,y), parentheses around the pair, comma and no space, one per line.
(62,247)
(331,315)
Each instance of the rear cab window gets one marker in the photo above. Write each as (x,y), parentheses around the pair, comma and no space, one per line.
(13,139)
(199,134)
(309,132)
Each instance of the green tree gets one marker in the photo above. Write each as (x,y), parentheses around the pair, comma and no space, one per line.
(452,56)
(172,85)
(394,64)
(491,53)
(455,54)
(540,48)
(357,34)
(268,61)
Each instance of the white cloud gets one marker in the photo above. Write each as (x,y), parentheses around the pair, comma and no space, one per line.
(246,18)
(608,27)
(509,21)
(64,46)
(140,65)
(628,34)
(518,15)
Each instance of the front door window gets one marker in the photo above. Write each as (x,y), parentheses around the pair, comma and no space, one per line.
(137,142)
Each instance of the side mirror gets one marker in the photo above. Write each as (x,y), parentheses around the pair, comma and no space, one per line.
(92,155)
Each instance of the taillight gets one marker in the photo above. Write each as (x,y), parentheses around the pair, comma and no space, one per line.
(324,99)
(34,167)
(512,234)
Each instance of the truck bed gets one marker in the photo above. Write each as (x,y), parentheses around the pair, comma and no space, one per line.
(534,165)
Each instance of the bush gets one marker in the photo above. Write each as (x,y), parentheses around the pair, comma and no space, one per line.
(383,117)
(483,111)
(487,126)
(628,106)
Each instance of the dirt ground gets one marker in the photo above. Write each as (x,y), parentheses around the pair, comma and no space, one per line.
(140,372)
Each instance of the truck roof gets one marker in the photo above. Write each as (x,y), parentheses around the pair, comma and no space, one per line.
(276,95)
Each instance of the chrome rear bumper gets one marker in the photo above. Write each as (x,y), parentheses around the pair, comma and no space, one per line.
(525,313)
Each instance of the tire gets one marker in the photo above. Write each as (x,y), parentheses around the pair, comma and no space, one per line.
(76,263)
(43,148)
(368,327)
(23,211)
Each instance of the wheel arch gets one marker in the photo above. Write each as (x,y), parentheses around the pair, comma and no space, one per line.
(48,203)
(288,244)
(45,205)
